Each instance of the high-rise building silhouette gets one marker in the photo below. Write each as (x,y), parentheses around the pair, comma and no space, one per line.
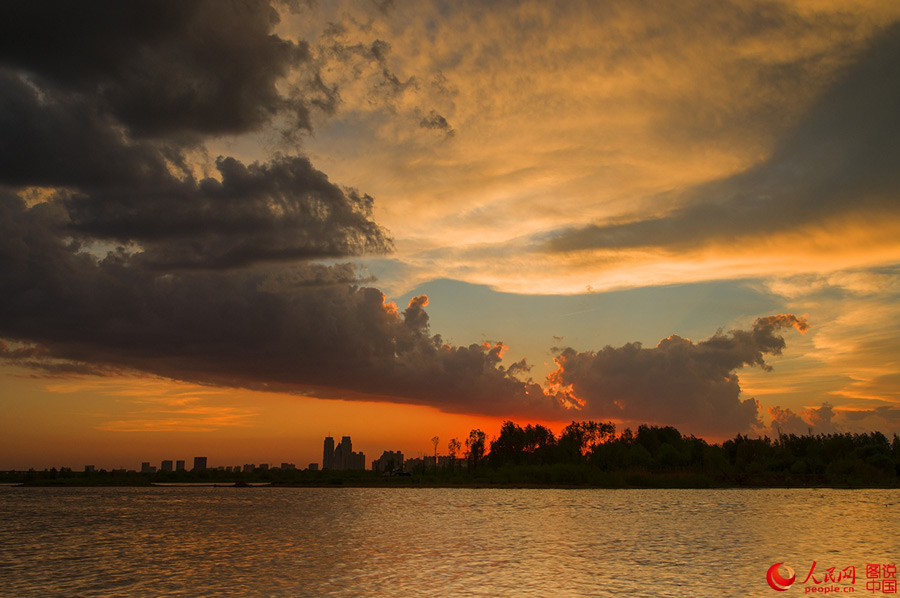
(199,463)
(328,453)
(342,455)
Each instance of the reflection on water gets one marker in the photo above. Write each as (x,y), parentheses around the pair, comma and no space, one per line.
(289,542)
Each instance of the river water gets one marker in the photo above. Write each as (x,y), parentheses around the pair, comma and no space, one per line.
(298,542)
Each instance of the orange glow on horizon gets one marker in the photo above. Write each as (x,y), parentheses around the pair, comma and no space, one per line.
(120,422)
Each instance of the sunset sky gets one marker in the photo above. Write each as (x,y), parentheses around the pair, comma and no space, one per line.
(232,228)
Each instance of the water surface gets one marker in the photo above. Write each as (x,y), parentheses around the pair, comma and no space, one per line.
(351,542)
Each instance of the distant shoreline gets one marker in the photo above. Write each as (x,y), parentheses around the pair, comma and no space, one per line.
(652,458)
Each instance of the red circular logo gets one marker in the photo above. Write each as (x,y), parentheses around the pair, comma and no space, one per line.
(776,581)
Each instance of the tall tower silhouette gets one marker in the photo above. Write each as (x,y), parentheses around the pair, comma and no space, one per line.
(328,453)
(346,453)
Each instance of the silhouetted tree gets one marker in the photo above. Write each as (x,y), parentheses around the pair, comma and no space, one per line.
(509,447)
(664,444)
(578,439)
(539,443)
(475,445)
(453,448)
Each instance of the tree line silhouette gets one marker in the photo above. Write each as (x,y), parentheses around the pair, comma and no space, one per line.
(653,455)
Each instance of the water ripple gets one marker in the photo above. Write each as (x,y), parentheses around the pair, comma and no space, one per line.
(341,542)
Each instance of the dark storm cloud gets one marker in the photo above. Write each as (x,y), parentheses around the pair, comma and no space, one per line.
(124,192)
(160,68)
(679,382)
(842,157)
(57,139)
(280,210)
(99,100)
(285,328)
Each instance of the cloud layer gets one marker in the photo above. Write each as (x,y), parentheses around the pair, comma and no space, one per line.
(838,160)
(279,328)
(690,385)
(620,145)
(120,250)
(310,328)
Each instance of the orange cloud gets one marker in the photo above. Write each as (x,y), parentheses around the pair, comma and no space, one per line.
(207,419)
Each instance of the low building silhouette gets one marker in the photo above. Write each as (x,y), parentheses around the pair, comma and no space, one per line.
(388,462)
